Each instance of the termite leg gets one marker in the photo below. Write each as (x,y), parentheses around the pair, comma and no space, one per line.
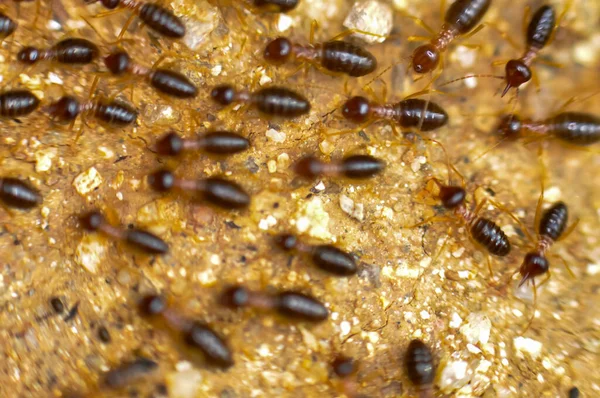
(430,220)
(566,264)
(525,22)
(504,35)
(421,23)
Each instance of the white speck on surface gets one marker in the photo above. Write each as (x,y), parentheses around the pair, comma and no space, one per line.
(465,56)
(216,70)
(182,366)
(43,159)
(207,278)
(477,329)
(471,82)
(267,223)
(354,210)
(53,25)
(527,345)
(459,252)
(370,16)
(119,195)
(284,22)
(313,219)
(264,351)
(552,194)
(592,269)
(54,78)
(425,315)
(215,259)
(276,136)
(272,166)
(87,181)
(454,376)
(90,253)
(106,152)
(473,349)
(184,384)
(199,25)
(264,79)
(345,327)
(456,321)
(320,186)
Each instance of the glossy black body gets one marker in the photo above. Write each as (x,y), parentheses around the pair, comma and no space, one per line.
(214,347)
(490,236)
(129,372)
(173,83)
(410,112)
(162,20)
(554,221)
(279,101)
(7,25)
(224,193)
(347,58)
(361,166)
(115,113)
(75,51)
(300,306)
(146,242)
(333,260)
(223,143)
(539,30)
(575,127)
(18,194)
(464,15)
(15,103)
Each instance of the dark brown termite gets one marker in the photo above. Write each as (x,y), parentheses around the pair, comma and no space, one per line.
(291,304)
(195,335)
(111,112)
(16,103)
(72,51)
(7,25)
(216,190)
(334,56)
(129,372)
(574,128)
(461,18)
(354,166)
(409,113)
(215,142)
(155,16)
(345,369)
(327,257)
(272,101)
(138,239)
(418,362)
(166,81)
(18,194)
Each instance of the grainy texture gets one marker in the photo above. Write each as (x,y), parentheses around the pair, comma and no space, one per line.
(471,323)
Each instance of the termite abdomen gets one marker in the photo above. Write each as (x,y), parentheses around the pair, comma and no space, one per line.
(146,242)
(223,143)
(412,113)
(7,25)
(75,51)
(276,5)
(225,193)
(344,57)
(554,221)
(213,347)
(576,128)
(541,26)
(129,372)
(162,20)
(116,113)
(17,103)
(464,15)
(173,83)
(333,260)
(298,305)
(278,101)
(419,364)
(490,236)
(361,166)
(18,194)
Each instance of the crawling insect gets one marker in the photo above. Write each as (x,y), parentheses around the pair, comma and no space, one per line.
(215,142)
(7,25)
(16,103)
(333,56)
(155,16)
(420,367)
(166,81)
(112,112)
(272,101)
(355,167)
(71,51)
(18,194)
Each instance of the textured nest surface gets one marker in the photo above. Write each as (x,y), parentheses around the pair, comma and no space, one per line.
(473,323)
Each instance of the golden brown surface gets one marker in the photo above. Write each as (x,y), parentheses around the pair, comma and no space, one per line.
(474,328)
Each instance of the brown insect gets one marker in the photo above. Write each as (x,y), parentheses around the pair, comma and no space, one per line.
(354,167)
(420,369)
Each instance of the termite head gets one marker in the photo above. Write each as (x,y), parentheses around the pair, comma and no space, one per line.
(162,180)
(278,51)
(171,144)
(452,196)
(65,109)
(92,221)
(117,62)
(517,73)
(357,109)
(29,55)
(425,58)
(235,297)
(533,265)
(223,94)
(152,305)
(509,126)
(309,167)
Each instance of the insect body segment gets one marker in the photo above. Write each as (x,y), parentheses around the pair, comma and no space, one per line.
(355,166)
(216,142)
(420,367)
(18,194)
(70,51)
(116,113)
(272,101)
(15,103)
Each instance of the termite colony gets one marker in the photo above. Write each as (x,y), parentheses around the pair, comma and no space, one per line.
(171,182)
